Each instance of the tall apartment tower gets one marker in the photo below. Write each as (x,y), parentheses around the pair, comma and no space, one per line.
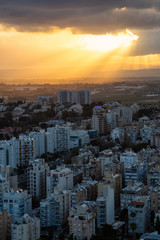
(83,97)
(9,152)
(36,178)
(105,207)
(4,185)
(26,149)
(65,96)
(99,120)
(38,143)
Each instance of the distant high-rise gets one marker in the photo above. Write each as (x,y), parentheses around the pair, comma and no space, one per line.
(45,100)
(38,143)
(65,96)
(83,97)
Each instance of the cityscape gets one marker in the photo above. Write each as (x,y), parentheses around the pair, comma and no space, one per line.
(79,120)
(88,171)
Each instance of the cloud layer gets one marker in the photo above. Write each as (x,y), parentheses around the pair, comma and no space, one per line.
(91,16)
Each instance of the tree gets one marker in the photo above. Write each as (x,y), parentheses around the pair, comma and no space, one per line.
(70,237)
(1,136)
(61,236)
(157,226)
(152,216)
(133,214)
(133,227)
(108,231)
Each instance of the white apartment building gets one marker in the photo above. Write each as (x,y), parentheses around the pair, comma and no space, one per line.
(117,133)
(9,153)
(65,96)
(38,143)
(17,203)
(128,158)
(26,149)
(145,133)
(111,119)
(13,153)
(105,207)
(8,173)
(59,139)
(27,228)
(4,186)
(63,177)
(83,97)
(138,213)
(54,211)
(126,113)
(50,144)
(36,178)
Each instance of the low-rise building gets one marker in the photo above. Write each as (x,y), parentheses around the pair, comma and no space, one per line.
(86,191)
(130,192)
(129,158)
(62,176)
(153,176)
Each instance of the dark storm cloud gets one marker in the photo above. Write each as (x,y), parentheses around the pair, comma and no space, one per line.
(92,16)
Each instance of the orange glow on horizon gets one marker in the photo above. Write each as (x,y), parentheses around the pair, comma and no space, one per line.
(62,54)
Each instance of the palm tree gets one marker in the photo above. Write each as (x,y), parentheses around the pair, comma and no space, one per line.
(133,224)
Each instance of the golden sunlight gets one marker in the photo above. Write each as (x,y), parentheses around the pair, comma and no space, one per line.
(62,54)
(104,43)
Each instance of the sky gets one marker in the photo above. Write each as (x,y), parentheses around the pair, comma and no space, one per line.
(69,39)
